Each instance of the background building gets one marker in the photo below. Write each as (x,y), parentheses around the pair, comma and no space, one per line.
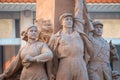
(16,14)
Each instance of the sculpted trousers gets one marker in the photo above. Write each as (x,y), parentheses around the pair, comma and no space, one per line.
(99,72)
(70,69)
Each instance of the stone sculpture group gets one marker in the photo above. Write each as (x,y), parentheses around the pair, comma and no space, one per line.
(69,54)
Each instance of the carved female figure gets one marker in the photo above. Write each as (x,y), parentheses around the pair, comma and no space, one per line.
(31,57)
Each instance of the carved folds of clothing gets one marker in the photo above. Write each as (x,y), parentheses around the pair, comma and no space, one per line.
(69,49)
(31,70)
(99,64)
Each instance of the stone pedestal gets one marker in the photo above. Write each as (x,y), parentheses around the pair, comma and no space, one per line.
(52,9)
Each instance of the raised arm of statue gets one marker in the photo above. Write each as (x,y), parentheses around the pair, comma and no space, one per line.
(88,21)
(88,43)
(78,16)
(78,11)
(14,66)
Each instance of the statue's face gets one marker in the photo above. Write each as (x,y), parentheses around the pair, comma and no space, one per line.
(32,33)
(67,21)
(98,30)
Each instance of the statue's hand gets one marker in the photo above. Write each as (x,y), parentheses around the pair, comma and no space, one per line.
(51,77)
(2,76)
(29,58)
(83,35)
(115,75)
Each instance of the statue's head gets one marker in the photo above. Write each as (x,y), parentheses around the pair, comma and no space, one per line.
(98,28)
(66,20)
(30,32)
(46,31)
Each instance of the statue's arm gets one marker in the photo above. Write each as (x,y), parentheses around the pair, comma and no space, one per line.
(52,66)
(51,62)
(78,15)
(46,54)
(50,70)
(78,10)
(14,66)
(88,43)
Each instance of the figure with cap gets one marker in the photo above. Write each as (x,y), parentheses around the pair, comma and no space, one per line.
(99,64)
(68,48)
(31,58)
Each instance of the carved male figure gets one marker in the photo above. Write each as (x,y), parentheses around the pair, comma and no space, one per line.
(31,57)
(99,64)
(68,47)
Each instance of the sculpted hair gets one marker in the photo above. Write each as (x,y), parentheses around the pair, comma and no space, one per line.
(24,33)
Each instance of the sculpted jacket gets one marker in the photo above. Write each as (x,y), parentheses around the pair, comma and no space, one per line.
(31,70)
